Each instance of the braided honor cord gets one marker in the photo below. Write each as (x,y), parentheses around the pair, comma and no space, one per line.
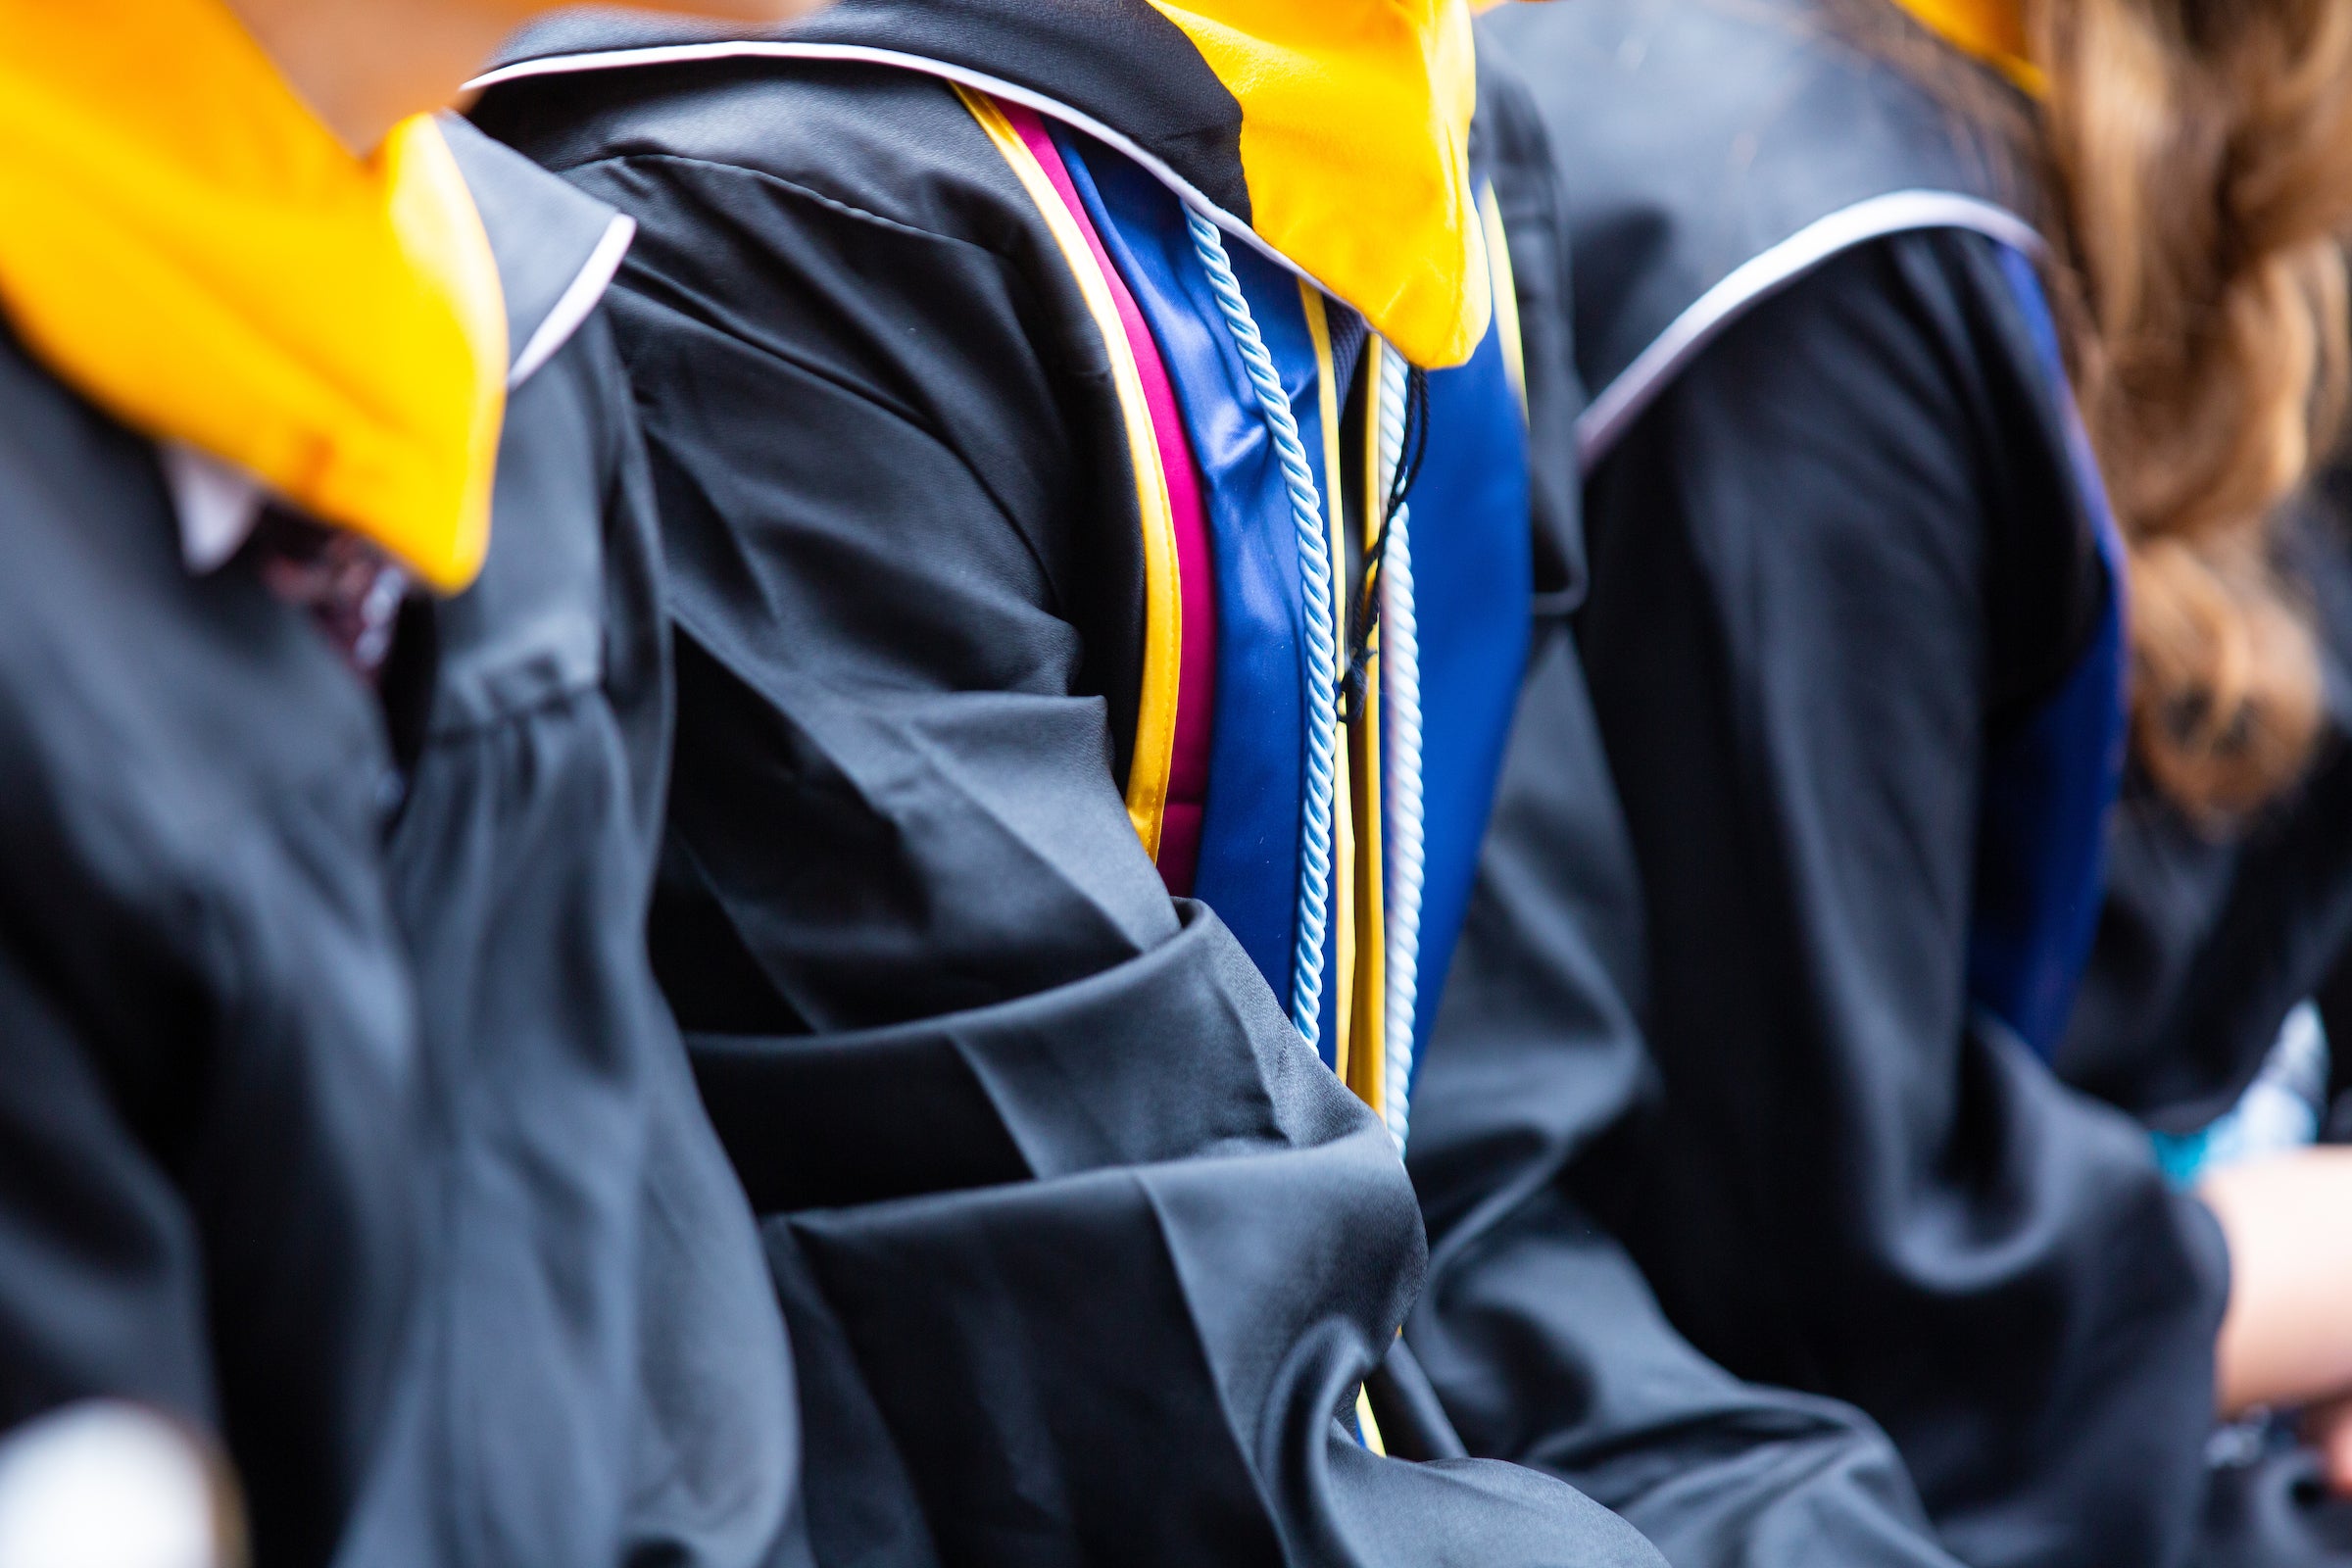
(1400,690)
(1322,645)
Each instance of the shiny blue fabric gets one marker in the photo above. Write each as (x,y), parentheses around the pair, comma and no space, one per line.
(1474,577)
(1471,561)
(2041,850)
(1248,870)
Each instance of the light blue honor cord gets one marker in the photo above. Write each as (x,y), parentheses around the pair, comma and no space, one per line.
(1322,648)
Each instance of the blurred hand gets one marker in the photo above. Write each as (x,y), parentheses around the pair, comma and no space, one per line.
(2286,1339)
(107,1484)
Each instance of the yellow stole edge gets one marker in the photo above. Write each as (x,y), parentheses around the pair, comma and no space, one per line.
(1505,288)
(1370,1425)
(1163,597)
(417,146)
(1369,1051)
(1343,808)
(1992,32)
(1435,313)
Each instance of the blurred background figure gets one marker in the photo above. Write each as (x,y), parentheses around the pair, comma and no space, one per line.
(1954,365)
(1537,1334)
(340,1118)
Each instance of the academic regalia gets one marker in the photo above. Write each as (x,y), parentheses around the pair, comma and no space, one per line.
(597,1372)
(209,1015)
(1535,1328)
(343,1119)
(1022,862)
(1854,647)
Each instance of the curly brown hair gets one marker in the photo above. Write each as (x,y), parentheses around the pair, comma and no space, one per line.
(2195,166)
(2200,154)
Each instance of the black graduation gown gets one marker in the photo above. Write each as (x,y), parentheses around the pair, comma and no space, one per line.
(1836,557)
(1535,1328)
(598,1372)
(342,1116)
(207,1012)
(1083,1251)
(2211,934)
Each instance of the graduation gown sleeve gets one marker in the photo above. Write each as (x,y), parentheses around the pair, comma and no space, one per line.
(1828,566)
(207,1056)
(599,1374)
(1535,1328)
(1084,1254)
(596,1372)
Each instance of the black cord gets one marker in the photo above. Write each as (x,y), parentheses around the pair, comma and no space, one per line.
(1363,611)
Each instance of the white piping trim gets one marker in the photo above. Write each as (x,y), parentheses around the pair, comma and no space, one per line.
(863,54)
(578,302)
(1622,401)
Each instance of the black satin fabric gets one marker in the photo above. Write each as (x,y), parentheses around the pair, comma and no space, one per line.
(1827,565)
(1536,1330)
(1084,1254)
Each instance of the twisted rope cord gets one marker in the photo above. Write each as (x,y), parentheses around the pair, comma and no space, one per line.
(1322,647)
(1400,691)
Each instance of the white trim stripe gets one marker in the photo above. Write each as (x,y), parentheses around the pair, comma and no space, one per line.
(1622,401)
(578,302)
(864,53)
